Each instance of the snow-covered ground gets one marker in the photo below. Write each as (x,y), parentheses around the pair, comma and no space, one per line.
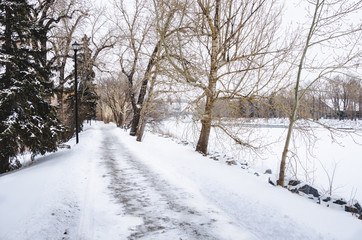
(111,187)
(318,159)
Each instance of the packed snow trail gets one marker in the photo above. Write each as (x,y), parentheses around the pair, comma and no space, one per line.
(164,209)
(111,187)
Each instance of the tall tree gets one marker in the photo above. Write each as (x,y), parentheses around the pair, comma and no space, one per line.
(224,50)
(134,27)
(27,120)
(45,18)
(87,86)
(80,17)
(329,29)
(61,37)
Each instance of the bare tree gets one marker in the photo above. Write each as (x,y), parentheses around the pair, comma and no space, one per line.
(138,35)
(225,50)
(134,27)
(46,18)
(147,107)
(113,94)
(350,92)
(80,17)
(326,32)
(61,39)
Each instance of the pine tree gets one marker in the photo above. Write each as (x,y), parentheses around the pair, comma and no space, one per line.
(27,120)
(87,87)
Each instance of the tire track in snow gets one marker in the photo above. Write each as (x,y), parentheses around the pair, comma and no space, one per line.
(143,194)
(86,223)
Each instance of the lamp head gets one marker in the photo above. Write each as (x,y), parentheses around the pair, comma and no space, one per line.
(75,46)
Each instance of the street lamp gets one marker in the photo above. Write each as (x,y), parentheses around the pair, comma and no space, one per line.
(76,46)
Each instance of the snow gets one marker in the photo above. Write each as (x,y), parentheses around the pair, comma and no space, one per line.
(111,187)
(341,152)
(61,193)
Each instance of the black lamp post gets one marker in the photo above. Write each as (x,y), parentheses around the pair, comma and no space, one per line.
(76,46)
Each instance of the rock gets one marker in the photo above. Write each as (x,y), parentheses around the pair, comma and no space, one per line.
(354,209)
(350,209)
(271,182)
(293,183)
(268,171)
(358,207)
(340,202)
(327,199)
(231,162)
(309,190)
(256,174)
(294,190)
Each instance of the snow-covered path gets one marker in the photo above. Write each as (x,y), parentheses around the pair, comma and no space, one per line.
(98,190)
(164,209)
(111,187)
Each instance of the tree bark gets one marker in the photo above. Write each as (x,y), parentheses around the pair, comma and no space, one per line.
(297,99)
(203,141)
(145,107)
(143,91)
(141,130)
(206,121)
(135,120)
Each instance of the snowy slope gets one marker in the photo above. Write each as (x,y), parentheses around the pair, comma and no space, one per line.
(315,156)
(111,187)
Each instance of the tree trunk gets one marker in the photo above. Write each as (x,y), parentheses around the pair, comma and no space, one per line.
(124,114)
(43,47)
(207,118)
(4,164)
(297,99)
(204,137)
(143,91)
(360,103)
(206,121)
(116,117)
(141,130)
(121,118)
(146,107)
(135,121)
(281,179)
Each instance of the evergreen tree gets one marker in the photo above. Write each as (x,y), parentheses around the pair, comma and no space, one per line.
(87,87)
(27,120)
